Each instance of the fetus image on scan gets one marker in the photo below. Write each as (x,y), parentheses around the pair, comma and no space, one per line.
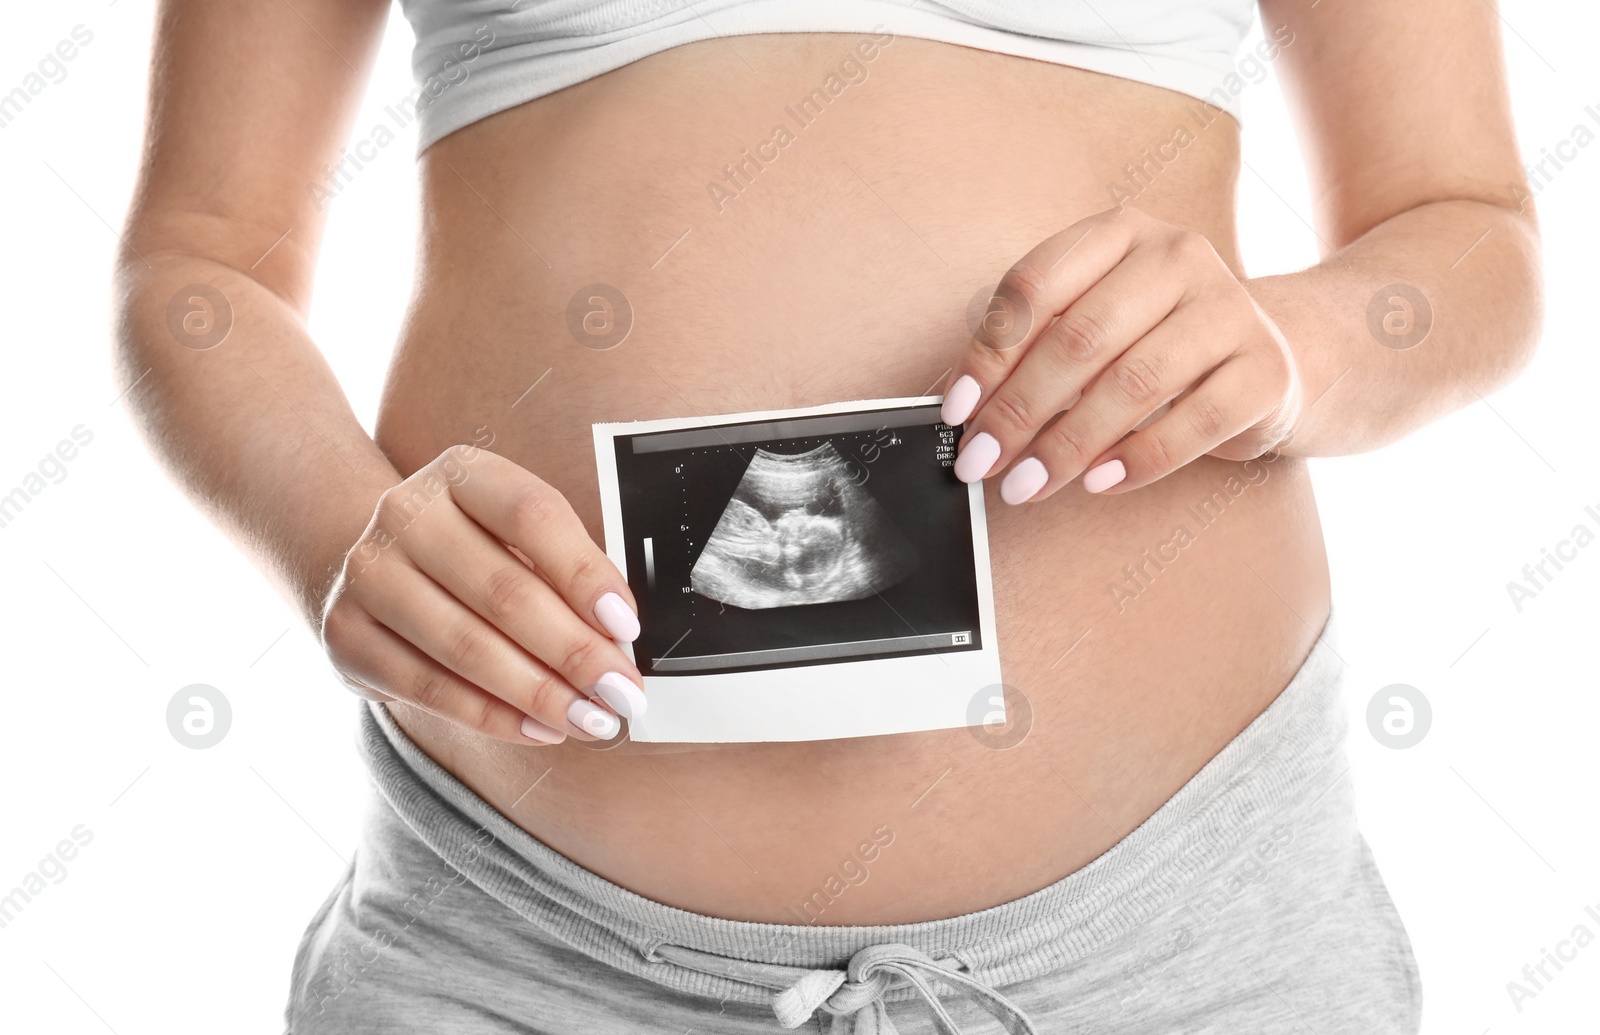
(798,530)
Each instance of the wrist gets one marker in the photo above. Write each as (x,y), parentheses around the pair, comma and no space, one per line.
(1287,300)
(312,570)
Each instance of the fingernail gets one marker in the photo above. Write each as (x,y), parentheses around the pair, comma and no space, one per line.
(621,694)
(593,719)
(960,400)
(618,618)
(533,729)
(1024,480)
(978,457)
(1099,479)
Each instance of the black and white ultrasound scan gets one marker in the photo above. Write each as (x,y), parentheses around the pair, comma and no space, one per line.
(801,574)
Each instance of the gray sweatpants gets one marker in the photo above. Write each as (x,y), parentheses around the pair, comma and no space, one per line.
(1249,902)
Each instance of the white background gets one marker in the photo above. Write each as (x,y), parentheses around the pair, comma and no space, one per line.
(183,912)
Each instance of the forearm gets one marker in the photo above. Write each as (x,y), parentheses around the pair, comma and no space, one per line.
(1361,389)
(256,428)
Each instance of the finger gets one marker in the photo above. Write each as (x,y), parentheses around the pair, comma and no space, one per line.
(1220,408)
(483,574)
(422,613)
(1156,369)
(1050,277)
(376,657)
(1097,329)
(524,512)
(1033,292)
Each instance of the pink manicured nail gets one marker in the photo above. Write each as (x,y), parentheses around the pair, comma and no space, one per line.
(619,692)
(978,458)
(618,618)
(960,400)
(1024,480)
(1099,479)
(593,719)
(533,729)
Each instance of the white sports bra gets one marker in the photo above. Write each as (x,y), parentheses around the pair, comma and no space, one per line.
(476,57)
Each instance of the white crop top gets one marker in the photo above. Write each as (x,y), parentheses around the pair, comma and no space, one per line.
(476,57)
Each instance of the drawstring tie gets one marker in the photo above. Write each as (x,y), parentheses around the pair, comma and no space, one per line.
(853,998)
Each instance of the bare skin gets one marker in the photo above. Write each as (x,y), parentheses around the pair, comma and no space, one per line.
(845,270)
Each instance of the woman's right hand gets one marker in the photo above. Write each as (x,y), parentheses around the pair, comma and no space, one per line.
(476,594)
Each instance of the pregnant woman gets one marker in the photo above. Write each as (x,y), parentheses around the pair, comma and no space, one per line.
(1025,206)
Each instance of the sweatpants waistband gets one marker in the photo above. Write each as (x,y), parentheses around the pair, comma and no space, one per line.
(1274,767)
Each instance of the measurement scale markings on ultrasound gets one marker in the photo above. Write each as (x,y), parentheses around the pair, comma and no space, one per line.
(923,642)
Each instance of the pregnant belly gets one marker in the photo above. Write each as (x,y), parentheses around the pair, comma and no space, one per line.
(1137,633)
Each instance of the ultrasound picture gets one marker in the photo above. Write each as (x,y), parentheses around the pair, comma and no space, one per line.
(799,530)
(802,541)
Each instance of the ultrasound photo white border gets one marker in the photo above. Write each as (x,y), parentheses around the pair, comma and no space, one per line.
(830,701)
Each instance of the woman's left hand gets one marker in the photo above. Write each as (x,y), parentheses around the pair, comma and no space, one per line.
(1110,320)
